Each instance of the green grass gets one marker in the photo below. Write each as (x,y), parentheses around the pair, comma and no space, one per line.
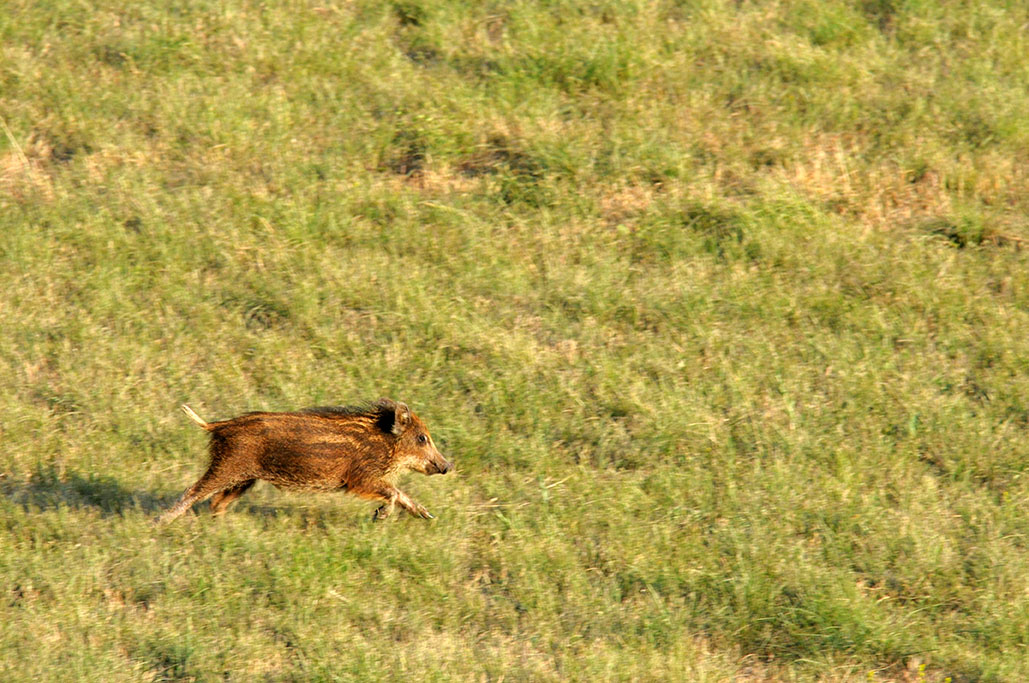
(719,308)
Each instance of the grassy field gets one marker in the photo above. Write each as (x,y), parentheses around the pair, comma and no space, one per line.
(719,308)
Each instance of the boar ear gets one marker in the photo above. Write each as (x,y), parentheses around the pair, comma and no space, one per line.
(401,418)
(394,417)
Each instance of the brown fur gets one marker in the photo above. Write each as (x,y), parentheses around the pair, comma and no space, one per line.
(361,449)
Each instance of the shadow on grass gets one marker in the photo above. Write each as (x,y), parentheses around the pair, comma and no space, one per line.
(48,489)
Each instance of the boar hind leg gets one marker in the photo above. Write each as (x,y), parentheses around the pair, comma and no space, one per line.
(208,485)
(394,497)
(220,501)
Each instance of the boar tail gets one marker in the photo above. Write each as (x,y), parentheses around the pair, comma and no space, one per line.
(196,418)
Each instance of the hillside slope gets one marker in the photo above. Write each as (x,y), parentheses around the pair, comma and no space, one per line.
(719,308)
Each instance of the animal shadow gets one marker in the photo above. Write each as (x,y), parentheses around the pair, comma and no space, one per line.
(48,489)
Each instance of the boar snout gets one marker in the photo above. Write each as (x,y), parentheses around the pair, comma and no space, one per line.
(437,464)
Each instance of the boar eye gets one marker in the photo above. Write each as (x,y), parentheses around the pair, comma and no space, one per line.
(422,439)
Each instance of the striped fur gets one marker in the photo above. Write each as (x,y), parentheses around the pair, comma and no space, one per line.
(360,449)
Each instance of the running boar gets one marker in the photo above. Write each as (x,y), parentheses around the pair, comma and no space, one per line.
(360,449)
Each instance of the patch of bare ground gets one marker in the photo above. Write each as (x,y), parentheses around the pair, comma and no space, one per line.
(24,173)
(886,193)
(624,202)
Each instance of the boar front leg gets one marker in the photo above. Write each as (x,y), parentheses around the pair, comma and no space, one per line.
(394,497)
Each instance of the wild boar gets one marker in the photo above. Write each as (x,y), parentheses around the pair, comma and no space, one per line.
(359,449)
